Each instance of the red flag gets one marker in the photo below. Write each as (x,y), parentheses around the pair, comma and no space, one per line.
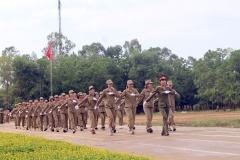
(49,52)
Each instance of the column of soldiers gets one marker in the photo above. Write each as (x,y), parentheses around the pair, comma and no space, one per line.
(73,111)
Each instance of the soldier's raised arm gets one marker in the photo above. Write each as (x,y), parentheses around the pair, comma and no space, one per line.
(153,94)
(101,98)
(84,101)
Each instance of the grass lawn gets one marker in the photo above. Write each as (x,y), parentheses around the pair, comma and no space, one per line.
(198,119)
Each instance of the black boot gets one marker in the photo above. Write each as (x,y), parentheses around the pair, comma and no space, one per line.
(165,134)
(114,130)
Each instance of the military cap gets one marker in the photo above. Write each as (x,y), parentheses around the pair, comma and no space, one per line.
(71,91)
(80,93)
(46,101)
(119,92)
(19,103)
(84,94)
(35,101)
(30,101)
(169,82)
(148,82)
(51,97)
(90,88)
(162,77)
(129,82)
(63,94)
(41,98)
(56,96)
(23,103)
(109,81)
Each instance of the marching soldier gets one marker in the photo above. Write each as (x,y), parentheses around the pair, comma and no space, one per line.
(63,112)
(80,112)
(90,101)
(23,114)
(1,115)
(13,114)
(18,115)
(85,114)
(29,114)
(109,95)
(55,108)
(130,95)
(148,107)
(172,106)
(163,90)
(34,114)
(71,102)
(102,113)
(39,110)
(6,116)
(96,113)
(48,112)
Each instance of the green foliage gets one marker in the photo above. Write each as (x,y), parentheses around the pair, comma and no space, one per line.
(208,82)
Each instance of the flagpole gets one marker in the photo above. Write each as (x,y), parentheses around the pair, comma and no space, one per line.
(51,77)
(60,28)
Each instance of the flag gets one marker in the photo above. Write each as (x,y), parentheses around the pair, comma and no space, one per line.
(49,52)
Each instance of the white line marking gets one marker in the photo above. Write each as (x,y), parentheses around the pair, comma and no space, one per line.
(196,150)
(223,131)
(208,135)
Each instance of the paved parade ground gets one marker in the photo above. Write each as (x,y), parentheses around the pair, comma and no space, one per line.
(186,143)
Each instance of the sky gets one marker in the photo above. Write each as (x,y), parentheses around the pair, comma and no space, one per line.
(186,27)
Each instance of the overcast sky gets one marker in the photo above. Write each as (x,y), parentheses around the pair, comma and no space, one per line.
(187,27)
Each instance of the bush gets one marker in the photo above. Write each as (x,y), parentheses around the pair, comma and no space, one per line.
(17,146)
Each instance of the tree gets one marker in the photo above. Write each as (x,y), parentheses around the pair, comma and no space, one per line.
(133,46)
(114,52)
(66,44)
(6,73)
(26,76)
(211,74)
(94,48)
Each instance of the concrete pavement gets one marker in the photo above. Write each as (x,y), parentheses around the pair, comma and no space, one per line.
(185,143)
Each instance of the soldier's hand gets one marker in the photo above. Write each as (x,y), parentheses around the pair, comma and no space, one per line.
(166,92)
(95,107)
(110,93)
(144,102)
(133,95)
